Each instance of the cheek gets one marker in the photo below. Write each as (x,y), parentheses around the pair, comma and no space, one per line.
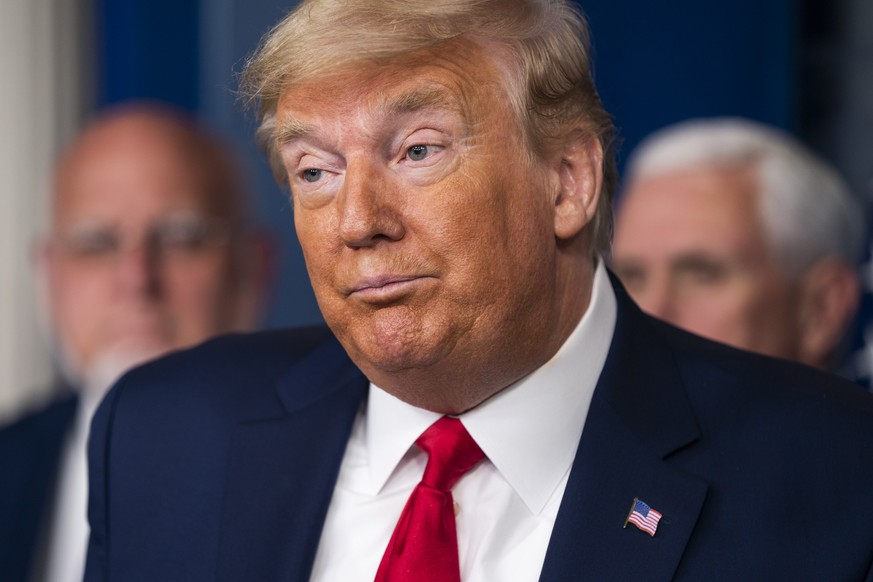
(738,315)
(489,217)
(79,298)
(80,306)
(500,271)
(319,241)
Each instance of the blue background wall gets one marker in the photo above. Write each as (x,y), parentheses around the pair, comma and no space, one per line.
(661,62)
(148,49)
(656,63)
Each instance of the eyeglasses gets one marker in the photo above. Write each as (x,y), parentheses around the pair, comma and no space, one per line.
(184,234)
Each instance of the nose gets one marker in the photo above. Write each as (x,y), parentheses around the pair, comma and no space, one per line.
(369,207)
(138,270)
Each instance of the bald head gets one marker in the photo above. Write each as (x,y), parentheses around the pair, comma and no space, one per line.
(150,248)
(146,146)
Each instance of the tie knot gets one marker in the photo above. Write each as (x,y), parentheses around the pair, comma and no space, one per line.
(451,452)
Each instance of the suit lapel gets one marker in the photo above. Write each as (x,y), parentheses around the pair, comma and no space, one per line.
(290,452)
(639,416)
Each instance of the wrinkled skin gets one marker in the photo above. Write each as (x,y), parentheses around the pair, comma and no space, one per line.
(446,262)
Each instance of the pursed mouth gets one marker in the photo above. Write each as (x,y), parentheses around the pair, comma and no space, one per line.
(387,288)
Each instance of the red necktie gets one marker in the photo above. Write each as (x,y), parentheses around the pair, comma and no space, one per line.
(424,546)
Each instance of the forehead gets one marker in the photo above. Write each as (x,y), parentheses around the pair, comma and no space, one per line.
(704,208)
(131,171)
(454,76)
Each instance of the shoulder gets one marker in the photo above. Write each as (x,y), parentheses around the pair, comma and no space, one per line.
(167,438)
(716,374)
(181,412)
(262,353)
(720,380)
(30,451)
(30,447)
(218,376)
(746,409)
(772,429)
(39,428)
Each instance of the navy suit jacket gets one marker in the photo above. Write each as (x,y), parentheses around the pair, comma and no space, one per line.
(30,455)
(219,464)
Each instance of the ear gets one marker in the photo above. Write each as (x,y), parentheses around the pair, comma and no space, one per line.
(580,178)
(830,292)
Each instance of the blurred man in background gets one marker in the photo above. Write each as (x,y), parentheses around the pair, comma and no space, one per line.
(737,232)
(150,249)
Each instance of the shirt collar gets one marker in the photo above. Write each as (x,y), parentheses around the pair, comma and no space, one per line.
(531,429)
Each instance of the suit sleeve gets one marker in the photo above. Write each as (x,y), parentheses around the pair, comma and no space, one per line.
(97,564)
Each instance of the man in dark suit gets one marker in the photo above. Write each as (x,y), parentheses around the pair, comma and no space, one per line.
(451,170)
(148,251)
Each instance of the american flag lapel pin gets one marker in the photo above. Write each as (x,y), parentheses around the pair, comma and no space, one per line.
(643,516)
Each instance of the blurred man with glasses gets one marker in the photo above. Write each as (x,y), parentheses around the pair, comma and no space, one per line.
(149,249)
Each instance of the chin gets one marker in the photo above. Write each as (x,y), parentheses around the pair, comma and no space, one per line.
(401,339)
(393,358)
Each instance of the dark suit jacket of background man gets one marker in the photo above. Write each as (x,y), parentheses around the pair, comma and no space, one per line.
(30,458)
(219,463)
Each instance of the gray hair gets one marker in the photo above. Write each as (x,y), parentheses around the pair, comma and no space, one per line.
(807,208)
(549,80)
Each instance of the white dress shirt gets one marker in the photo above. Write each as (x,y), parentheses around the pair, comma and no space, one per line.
(65,545)
(69,530)
(506,506)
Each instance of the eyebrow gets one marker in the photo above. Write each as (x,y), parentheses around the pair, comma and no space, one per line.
(418,99)
(291,129)
(412,101)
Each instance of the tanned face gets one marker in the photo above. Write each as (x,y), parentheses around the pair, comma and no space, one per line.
(429,234)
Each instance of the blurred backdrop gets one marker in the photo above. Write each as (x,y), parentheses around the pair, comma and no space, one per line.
(806,66)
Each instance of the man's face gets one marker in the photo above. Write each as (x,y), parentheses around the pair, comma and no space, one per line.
(691,249)
(428,236)
(139,260)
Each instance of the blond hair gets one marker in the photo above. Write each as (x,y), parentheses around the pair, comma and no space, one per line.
(550,83)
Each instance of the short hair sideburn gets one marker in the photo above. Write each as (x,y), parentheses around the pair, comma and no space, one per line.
(549,79)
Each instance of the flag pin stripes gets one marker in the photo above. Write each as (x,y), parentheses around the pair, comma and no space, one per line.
(643,516)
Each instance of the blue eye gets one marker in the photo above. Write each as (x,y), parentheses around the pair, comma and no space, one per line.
(312,175)
(417,152)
